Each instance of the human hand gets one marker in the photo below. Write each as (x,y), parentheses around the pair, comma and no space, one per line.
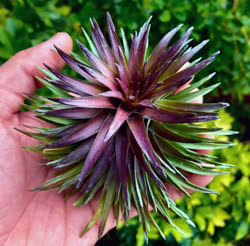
(38,218)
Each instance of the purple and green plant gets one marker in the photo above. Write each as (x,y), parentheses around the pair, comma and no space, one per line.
(125,129)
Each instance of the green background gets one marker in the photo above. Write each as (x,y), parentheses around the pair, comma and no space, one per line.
(221,219)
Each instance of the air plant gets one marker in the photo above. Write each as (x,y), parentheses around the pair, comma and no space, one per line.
(125,130)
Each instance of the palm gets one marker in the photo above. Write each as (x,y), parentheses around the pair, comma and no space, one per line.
(36,218)
(43,217)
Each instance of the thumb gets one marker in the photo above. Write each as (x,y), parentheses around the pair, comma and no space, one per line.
(17,75)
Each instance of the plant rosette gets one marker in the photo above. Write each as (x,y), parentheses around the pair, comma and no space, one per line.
(126,129)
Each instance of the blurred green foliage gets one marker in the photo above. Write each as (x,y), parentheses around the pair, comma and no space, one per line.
(221,220)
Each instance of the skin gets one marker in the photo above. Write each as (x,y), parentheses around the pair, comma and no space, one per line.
(38,218)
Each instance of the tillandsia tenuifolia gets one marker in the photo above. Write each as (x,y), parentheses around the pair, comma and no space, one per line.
(125,130)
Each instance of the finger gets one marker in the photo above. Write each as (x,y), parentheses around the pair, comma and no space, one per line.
(197,100)
(205,151)
(200,180)
(184,86)
(18,73)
